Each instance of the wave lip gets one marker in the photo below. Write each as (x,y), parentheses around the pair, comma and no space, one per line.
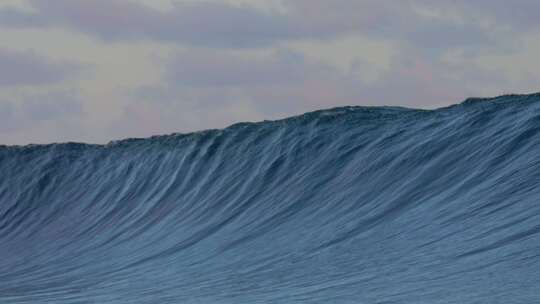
(347,205)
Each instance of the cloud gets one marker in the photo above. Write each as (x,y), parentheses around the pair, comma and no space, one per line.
(206,64)
(40,117)
(29,68)
(51,106)
(218,24)
(520,15)
(404,21)
(205,68)
(7,119)
(16,18)
(201,23)
(282,83)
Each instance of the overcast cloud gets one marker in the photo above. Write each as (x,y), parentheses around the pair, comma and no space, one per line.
(29,68)
(98,70)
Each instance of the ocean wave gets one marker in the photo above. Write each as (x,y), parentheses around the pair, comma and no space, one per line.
(347,205)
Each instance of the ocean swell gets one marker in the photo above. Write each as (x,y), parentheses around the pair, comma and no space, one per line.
(348,205)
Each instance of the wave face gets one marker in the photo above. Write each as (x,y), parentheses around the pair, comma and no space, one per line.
(349,205)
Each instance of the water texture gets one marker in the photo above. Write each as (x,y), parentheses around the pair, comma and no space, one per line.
(348,205)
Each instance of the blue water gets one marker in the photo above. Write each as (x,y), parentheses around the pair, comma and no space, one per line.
(348,205)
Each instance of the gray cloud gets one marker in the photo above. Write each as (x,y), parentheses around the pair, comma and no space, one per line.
(7,119)
(223,25)
(239,62)
(204,23)
(204,68)
(29,68)
(226,87)
(15,18)
(286,83)
(521,15)
(51,106)
(394,20)
(28,112)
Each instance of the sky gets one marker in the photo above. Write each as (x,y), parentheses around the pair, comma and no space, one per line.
(100,70)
